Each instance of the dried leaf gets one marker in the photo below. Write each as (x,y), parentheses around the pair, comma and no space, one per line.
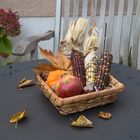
(64,61)
(82,121)
(18,116)
(60,61)
(43,68)
(69,69)
(105,115)
(24,83)
(48,55)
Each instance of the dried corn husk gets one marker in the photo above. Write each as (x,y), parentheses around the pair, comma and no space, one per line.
(66,48)
(68,36)
(92,40)
(76,30)
(74,37)
(79,30)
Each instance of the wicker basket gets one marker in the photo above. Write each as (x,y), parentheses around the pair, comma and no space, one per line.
(79,103)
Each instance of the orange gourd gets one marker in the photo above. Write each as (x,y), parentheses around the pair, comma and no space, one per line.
(54,77)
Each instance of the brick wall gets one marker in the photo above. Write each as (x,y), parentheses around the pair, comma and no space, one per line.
(45,7)
(30,7)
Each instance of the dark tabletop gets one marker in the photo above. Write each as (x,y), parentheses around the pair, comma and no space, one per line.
(45,123)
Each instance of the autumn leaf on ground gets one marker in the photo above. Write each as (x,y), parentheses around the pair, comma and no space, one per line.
(105,115)
(25,82)
(60,61)
(82,121)
(19,116)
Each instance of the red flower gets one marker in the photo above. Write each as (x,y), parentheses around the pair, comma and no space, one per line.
(2,16)
(9,22)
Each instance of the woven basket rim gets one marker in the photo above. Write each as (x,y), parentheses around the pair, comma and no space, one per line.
(117,87)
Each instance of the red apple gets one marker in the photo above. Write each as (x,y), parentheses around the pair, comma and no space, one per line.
(69,86)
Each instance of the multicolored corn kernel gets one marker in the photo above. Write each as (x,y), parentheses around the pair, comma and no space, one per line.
(78,66)
(103,73)
(91,71)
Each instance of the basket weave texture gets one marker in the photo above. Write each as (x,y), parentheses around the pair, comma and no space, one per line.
(81,102)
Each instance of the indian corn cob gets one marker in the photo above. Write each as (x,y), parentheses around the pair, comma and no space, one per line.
(91,68)
(103,73)
(78,66)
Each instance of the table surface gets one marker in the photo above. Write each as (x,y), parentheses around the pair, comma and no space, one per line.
(44,121)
